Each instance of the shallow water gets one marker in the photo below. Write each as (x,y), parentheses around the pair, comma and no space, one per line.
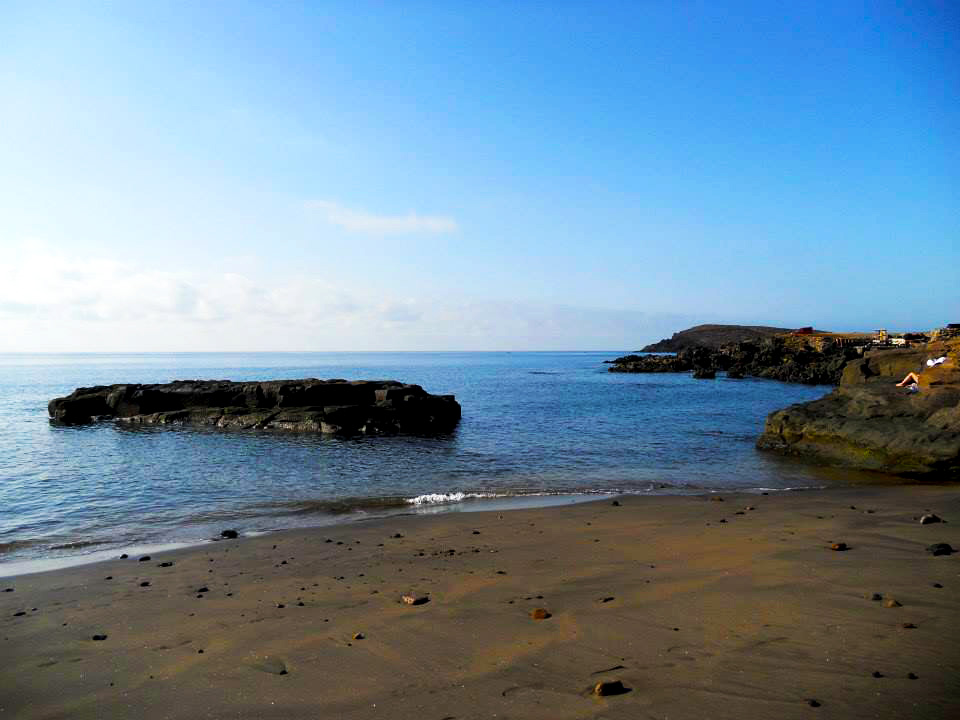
(535,425)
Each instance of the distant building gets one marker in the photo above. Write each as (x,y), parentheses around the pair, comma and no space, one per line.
(803,331)
(881,337)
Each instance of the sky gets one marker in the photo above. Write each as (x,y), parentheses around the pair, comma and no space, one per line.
(472,176)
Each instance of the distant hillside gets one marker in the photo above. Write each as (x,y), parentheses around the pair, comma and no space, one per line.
(713,336)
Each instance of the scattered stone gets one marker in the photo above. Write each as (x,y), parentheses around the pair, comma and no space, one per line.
(937,585)
(145,558)
(359,636)
(892,603)
(605,688)
(749,507)
(615,503)
(940,549)
(876,597)
(739,512)
(165,564)
(723,520)
(909,626)
(280,606)
(229,534)
(839,546)
(21,612)
(124,556)
(8,589)
(501,572)
(877,674)
(476,532)
(912,676)
(539,614)
(397,536)
(203,589)
(109,577)
(415,599)
(717,499)
(813,702)
(99,637)
(607,599)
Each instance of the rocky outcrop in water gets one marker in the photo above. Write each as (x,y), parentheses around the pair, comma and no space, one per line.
(325,406)
(870,423)
(776,358)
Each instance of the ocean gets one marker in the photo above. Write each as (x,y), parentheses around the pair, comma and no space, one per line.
(537,428)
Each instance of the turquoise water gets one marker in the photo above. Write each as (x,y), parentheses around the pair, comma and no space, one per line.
(535,425)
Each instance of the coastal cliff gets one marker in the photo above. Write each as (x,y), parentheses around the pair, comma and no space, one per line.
(870,423)
(325,406)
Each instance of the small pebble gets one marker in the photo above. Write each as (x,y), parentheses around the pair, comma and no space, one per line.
(891,603)
(912,676)
(539,614)
(99,637)
(609,687)
(145,558)
(937,585)
(909,626)
(839,546)
(813,703)
(877,674)
(940,549)
(145,583)
(124,556)
(359,636)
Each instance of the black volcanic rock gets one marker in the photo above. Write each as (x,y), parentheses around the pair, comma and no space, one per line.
(374,407)
(789,359)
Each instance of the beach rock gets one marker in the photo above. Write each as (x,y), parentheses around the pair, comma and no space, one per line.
(876,597)
(909,626)
(869,423)
(376,407)
(812,702)
(145,558)
(359,636)
(539,614)
(606,688)
(229,534)
(165,564)
(929,519)
(414,599)
(615,503)
(98,638)
(940,549)
(912,676)
(891,603)
(702,373)
(839,546)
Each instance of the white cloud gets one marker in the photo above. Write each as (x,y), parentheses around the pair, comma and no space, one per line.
(51,301)
(360,221)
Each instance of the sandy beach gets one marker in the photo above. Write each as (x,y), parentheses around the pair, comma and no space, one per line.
(700,607)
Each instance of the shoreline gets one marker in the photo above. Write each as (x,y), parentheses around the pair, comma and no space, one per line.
(485,503)
(753,617)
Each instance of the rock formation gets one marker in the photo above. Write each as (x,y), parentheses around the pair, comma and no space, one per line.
(870,423)
(713,336)
(790,359)
(326,406)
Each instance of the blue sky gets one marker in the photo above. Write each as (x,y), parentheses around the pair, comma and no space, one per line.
(335,176)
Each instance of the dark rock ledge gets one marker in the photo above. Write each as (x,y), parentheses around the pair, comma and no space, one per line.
(370,407)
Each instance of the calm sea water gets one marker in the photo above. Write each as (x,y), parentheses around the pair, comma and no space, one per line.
(548,427)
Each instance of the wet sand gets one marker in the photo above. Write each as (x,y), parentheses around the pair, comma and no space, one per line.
(755,617)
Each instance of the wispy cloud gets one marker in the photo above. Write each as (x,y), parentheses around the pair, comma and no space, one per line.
(52,300)
(361,221)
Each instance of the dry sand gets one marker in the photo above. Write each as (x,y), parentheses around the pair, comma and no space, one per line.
(751,618)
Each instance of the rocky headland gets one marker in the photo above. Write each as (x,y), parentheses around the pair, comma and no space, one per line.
(713,336)
(868,422)
(777,357)
(380,407)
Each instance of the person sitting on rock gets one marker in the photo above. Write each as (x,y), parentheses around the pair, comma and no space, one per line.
(911,379)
